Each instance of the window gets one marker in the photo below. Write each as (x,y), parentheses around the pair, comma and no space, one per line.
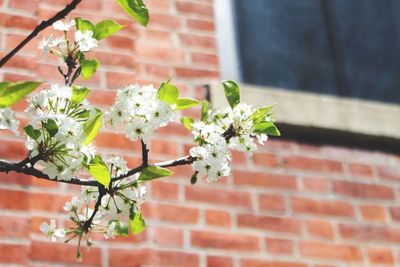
(321,61)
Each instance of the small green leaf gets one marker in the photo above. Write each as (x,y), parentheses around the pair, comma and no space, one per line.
(105,28)
(136,222)
(136,9)
(184,103)
(260,114)
(91,127)
(154,172)
(187,122)
(79,94)
(232,93)
(266,128)
(84,25)
(51,127)
(193,179)
(204,110)
(168,93)
(89,67)
(99,170)
(10,93)
(32,132)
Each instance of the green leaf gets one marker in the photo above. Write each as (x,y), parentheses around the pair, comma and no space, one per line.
(136,222)
(260,114)
(89,67)
(84,25)
(187,122)
(204,110)
(32,132)
(120,228)
(184,103)
(10,93)
(232,93)
(91,127)
(105,28)
(136,9)
(51,127)
(168,93)
(79,94)
(266,128)
(154,172)
(99,170)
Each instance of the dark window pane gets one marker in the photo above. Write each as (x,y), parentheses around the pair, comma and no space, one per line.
(342,47)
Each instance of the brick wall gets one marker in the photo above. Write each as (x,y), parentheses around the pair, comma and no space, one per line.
(291,205)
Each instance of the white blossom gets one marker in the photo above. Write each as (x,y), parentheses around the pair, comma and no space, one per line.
(63,26)
(8,120)
(85,40)
(51,231)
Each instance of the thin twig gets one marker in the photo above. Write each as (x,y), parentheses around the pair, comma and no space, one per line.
(43,25)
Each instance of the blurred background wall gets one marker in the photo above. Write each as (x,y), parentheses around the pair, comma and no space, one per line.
(317,196)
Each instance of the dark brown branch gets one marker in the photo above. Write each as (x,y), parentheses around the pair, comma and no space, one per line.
(88,223)
(43,25)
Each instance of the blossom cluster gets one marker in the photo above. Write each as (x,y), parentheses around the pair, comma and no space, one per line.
(57,130)
(223,130)
(138,110)
(84,40)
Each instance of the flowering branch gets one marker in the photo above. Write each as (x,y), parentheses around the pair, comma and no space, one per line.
(43,25)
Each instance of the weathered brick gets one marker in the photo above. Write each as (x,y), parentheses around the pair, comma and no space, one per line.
(168,236)
(359,190)
(14,254)
(279,246)
(218,261)
(312,164)
(330,251)
(380,256)
(238,242)
(173,213)
(319,228)
(373,213)
(322,207)
(278,181)
(269,263)
(271,202)
(217,218)
(269,223)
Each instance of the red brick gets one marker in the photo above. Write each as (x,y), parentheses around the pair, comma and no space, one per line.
(358,190)
(391,173)
(279,246)
(191,40)
(165,190)
(194,8)
(320,228)
(312,164)
(269,223)
(265,160)
(218,196)
(322,207)
(380,256)
(14,200)
(238,242)
(317,184)
(195,73)
(218,218)
(120,42)
(12,149)
(169,22)
(62,253)
(373,213)
(14,254)
(168,236)
(269,263)
(16,178)
(114,140)
(171,213)
(164,147)
(395,213)
(202,58)
(271,202)
(330,251)
(11,226)
(16,21)
(48,202)
(150,257)
(361,170)
(201,25)
(369,233)
(163,54)
(262,179)
(218,261)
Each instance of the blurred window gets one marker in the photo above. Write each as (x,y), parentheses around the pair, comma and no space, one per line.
(347,48)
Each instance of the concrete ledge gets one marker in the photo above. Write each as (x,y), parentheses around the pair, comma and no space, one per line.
(322,111)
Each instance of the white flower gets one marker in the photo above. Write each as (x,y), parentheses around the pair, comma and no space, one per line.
(8,120)
(110,231)
(51,231)
(46,44)
(74,205)
(85,40)
(61,26)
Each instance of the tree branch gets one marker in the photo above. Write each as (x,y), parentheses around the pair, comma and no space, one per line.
(43,25)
